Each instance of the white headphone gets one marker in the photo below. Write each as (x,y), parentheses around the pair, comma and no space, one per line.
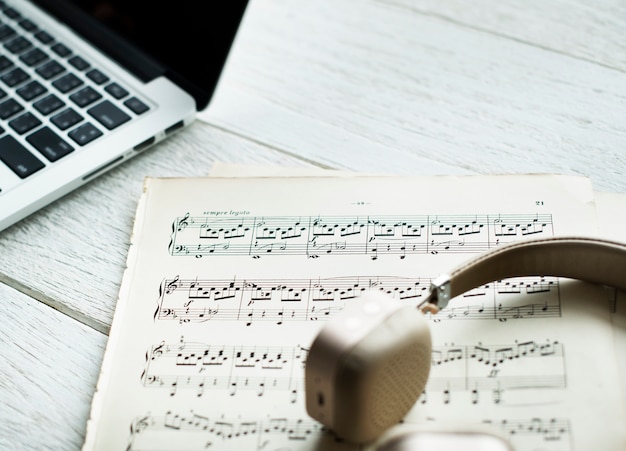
(368,365)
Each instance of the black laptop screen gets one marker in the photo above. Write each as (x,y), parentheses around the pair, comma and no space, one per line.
(188,40)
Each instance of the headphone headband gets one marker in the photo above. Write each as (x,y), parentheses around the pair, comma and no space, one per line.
(590,259)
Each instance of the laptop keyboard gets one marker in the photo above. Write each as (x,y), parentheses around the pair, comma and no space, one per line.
(52,101)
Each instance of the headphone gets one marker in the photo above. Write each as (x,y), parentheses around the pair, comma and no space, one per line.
(367,366)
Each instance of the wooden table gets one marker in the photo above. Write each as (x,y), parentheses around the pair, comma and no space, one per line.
(386,86)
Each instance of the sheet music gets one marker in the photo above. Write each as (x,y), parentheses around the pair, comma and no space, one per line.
(229,280)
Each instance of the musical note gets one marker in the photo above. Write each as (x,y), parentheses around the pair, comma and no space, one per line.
(537,430)
(497,395)
(194,300)
(373,237)
(455,368)
(475,396)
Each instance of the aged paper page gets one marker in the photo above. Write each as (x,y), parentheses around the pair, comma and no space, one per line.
(229,280)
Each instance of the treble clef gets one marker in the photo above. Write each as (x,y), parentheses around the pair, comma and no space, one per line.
(171,285)
(157,351)
(183,223)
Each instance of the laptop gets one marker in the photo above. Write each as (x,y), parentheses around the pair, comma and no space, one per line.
(85,85)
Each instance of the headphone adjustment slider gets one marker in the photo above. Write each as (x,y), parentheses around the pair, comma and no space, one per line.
(438,295)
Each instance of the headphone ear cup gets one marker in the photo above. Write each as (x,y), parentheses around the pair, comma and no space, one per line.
(382,377)
(368,367)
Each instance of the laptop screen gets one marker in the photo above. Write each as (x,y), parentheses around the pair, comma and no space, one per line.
(187,40)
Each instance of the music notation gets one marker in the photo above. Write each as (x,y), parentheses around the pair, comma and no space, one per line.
(200,367)
(536,433)
(192,300)
(481,372)
(509,299)
(494,373)
(164,431)
(317,236)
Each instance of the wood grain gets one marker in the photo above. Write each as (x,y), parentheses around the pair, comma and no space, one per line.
(404,89)
(49,367)
(592,32)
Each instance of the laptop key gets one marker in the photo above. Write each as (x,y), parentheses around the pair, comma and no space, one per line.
(50,69)
(18,45)
(108,115)
(49,144)
(6,32)
(24,123)
(85,134)
(8,108)
(78,62)
(61,50)
(12,13)
(5,63)
(18,158)
(15,77)
(85,96)
(27,25)
(97,77)
(33,57)
(116,90)
(67,82)
(31,90)
(136,105)
(48,104)
(44,37)
(66,118)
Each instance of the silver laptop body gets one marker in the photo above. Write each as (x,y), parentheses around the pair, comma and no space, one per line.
(79,96)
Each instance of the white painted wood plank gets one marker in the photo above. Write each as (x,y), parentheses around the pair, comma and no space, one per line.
(363,85)
(49,367)
(593,31)
(72,254)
